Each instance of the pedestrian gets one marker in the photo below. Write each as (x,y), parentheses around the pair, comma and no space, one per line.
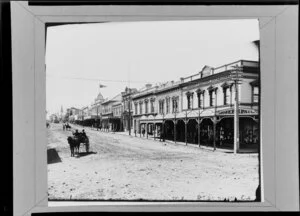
(143,132)
(83,133)
(64,127)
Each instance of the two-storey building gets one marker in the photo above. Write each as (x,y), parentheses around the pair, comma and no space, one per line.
(108,120)
(96,110)
(199,109)
(127,119)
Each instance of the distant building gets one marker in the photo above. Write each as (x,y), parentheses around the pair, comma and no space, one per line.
(108,120)
(127,114)
(117,111)
(73,114)
(96,109)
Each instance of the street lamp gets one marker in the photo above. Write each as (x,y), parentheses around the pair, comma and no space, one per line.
(236,78)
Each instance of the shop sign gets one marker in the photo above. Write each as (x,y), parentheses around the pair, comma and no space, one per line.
(241,112)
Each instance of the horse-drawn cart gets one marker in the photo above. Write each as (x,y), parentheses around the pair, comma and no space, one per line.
(75,142)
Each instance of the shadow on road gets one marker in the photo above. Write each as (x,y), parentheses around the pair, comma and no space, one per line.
(82,154)
(52,156)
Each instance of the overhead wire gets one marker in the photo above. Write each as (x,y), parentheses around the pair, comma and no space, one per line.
(95,79)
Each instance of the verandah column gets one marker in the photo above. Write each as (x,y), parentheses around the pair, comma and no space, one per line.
(199,130)
(147,127)
(140,129)
(214,131)
(175,131)
(154,130)
(185,131)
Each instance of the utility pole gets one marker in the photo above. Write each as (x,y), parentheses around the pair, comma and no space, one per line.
(129,113)
(236,77)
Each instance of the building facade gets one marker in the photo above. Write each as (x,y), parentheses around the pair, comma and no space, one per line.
(200,109)
(127,119)
(117,120)
(96,110)
(108,120)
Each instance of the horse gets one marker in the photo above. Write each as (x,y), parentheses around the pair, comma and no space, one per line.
(74,145)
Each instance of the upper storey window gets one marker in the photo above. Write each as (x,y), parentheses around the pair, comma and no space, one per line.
(152,105)
(200,96)
(255,94)
(189,96)
(255,91)
(167,105)
(146,106)
(175,104)
(161,106)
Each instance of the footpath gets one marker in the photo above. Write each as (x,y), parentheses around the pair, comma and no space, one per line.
(151,137)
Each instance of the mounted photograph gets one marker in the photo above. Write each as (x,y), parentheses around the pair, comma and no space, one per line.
(165,111)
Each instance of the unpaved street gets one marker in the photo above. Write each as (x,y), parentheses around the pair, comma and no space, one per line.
(130,168)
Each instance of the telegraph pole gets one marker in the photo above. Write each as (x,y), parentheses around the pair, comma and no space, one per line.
(129,114)
(236,111)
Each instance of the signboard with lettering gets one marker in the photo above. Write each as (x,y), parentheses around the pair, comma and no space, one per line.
(241,112)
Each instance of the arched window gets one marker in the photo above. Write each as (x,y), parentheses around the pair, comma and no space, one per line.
(189,96)
(200,96)
(175,104)
(161,106)
(141,107)
(136,108)
(152,104)
(226,93)
(212,96)
(167,104)
(146,106)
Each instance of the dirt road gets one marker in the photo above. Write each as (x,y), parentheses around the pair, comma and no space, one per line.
(131,168)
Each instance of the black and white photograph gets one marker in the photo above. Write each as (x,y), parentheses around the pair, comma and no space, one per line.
(153,111)
(155,108)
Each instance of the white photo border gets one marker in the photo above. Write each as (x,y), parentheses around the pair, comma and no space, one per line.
(279,103)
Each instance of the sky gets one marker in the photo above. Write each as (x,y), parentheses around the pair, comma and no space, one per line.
(79,57)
